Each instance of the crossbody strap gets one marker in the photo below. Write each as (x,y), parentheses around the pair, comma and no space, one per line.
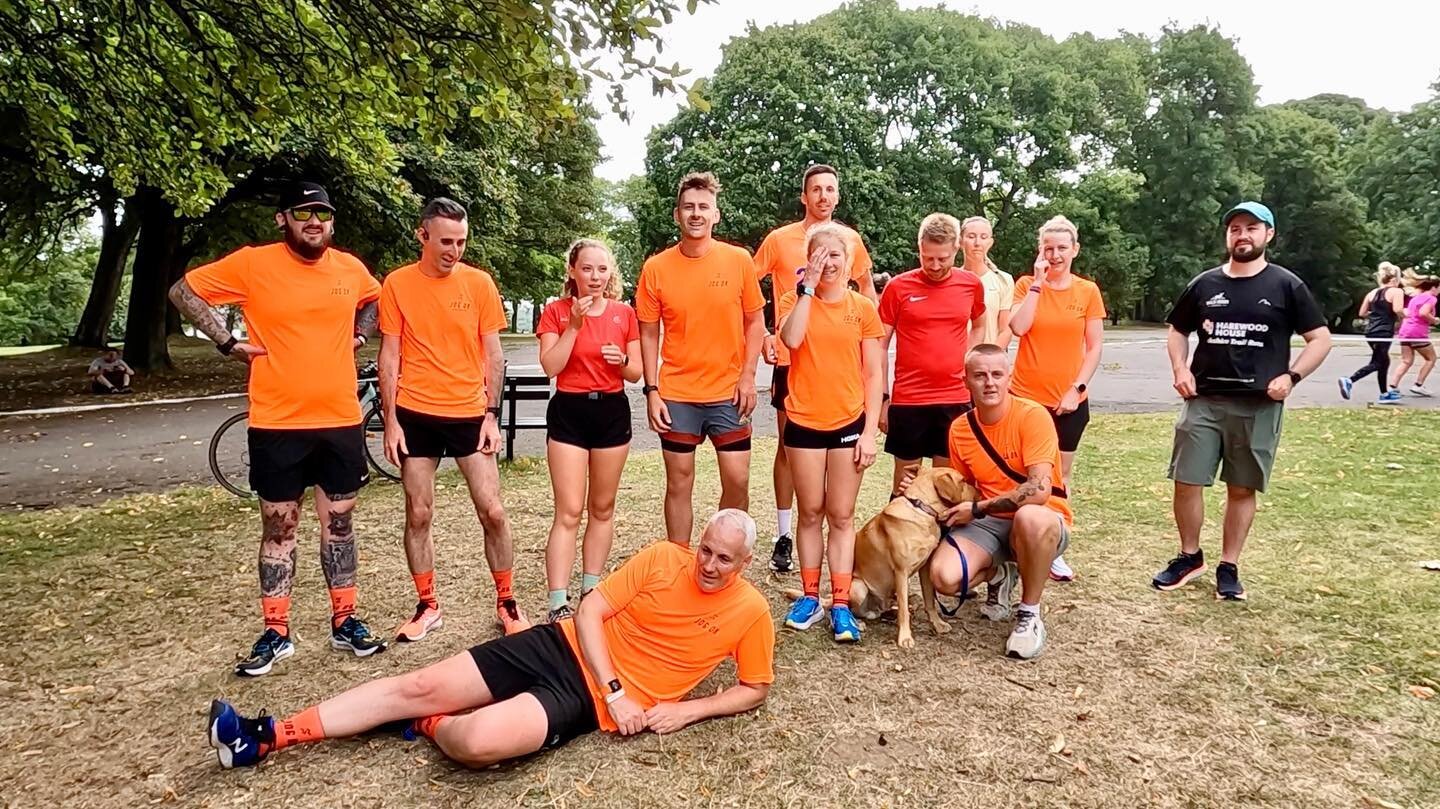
(1055,491)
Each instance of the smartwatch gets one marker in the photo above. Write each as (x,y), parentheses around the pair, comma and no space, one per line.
(614,685)
(975,510)
(493,411)
(227,346)
(801,290)
(1294,377)
(649,389)
(1080,387)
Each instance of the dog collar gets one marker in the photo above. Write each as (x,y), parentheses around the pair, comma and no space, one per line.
(924,507)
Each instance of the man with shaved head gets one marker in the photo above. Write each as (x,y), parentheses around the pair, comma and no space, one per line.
(641,641)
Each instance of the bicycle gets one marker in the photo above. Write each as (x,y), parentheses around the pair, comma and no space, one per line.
(230,447)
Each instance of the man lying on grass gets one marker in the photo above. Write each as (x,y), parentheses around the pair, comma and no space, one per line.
(643,640)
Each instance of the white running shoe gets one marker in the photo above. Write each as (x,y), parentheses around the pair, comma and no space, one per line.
(1001,591)
(1027,639)
(1059,571)
(1416,390)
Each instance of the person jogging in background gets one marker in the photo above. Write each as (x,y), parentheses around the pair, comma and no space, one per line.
(1414,333)
(1382,309)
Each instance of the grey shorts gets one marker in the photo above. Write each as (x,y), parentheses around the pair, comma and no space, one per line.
(1243,432)
(992,534)
(691,424)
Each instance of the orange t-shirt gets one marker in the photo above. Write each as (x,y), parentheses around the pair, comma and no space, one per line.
(667,634)
(587,371)
(827,382)
(1025,436)
(1051,353)
(440,323)
(782,257)
(303,315)
(701,304)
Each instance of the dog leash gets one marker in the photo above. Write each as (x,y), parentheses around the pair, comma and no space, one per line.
(964,563)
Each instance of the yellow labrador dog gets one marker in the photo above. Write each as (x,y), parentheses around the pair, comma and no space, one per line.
(896,544)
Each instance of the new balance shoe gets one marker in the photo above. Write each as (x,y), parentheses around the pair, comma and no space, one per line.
(239,741)
(1345,386)
(354,636)
(560,613)
(271,648)
(1059,571)
(1027,639)
(426,618)
(1227,583)
(843,623)
(804,613)
(1181,569)
(1000,593)
(510,618)
(1389,397)
(780,559)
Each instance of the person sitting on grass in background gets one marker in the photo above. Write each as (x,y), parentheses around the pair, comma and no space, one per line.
(640,642)
(109,374)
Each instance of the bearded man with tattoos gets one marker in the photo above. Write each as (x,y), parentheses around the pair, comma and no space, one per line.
(308,307)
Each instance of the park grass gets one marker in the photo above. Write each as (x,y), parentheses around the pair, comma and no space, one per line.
(126,616)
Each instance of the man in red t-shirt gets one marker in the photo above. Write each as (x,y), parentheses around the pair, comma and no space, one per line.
(934,313)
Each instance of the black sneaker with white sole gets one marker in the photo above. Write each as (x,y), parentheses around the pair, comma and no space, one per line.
(271,648)
(780,559)
(1227,583)
(1181,569)
(354,636)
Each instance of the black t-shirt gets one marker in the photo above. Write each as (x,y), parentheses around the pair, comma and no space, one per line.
(1245,325)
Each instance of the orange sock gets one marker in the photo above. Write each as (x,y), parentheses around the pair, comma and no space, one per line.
(810,581)
(302,727)
(425,586)
(840,588)
(429,724)
(503,585)
(276,610)
(342,604)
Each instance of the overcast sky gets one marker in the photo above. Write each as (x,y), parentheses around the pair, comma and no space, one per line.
(1382,51)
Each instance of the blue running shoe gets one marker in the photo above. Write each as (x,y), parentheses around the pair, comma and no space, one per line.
(271,648)
(1345,387)
(238,740)
(1389,397)
(354,636)
(805,613)
(846,629)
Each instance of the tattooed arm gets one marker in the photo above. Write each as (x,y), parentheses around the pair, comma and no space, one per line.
(1034,491)
(208,321)
(365,319)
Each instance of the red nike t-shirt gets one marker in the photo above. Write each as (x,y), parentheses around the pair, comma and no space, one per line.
(587,371)
(932,334)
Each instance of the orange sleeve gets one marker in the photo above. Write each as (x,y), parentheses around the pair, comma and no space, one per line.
(1039,442)
(870,325)
(392,322)
(647,294)
(765,256)
(755,653)
(1095,308)
(957,458)
(492,312)
(1021,287)
(783,307)
(751,300)
(621,587)
(223,280)
(369,287)
(860,264)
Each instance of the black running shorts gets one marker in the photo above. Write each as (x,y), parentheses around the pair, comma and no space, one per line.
(284,463)
(779,387)
(589,420)
(798,436)
(428,436)
(1071,426)
(538,661)
(921,431)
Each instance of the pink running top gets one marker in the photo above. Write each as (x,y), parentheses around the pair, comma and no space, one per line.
(1416,327)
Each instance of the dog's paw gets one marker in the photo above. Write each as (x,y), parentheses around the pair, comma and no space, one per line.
(940,627)
(906,641)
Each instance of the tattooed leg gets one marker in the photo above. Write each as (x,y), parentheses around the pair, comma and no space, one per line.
(337,537)
(277,547)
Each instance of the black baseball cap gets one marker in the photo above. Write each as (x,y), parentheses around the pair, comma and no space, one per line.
(305,195)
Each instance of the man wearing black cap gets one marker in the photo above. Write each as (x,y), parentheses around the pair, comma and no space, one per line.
(307,308)
(1244,312)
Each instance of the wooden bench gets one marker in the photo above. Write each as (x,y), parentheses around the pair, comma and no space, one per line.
(522,384)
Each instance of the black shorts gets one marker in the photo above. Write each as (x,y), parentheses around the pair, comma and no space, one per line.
(589,420)
(921,431)
(428,436)
(538,661)
(800,437)
(284,463)
(779,387)
(1072,425)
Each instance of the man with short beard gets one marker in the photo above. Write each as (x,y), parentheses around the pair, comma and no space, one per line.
(307,308)
(1244,312)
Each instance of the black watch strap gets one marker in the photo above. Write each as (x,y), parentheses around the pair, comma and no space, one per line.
(613,685)
(227,346)
(975,509)
(649,389)
(1294,377)
(493,411)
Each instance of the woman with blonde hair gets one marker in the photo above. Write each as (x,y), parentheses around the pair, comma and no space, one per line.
(1382,309)
(590,346)
(976,239)
(1059,319)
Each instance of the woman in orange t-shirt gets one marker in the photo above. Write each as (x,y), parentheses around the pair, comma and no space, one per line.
(590,345)
(833,404)
(1059,319)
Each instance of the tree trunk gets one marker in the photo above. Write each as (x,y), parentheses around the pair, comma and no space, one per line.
(117,236)
(160,231)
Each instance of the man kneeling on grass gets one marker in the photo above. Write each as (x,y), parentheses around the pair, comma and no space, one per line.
(640,642)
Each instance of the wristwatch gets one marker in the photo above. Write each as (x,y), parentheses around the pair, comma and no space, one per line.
(1080,387)
(614,685)
(1294,377)
(649,389)
(801,290)
(976,510)
(227,346)
(1035,288)
(493,411)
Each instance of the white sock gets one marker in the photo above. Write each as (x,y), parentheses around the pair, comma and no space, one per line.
(1033,609)
(782,522)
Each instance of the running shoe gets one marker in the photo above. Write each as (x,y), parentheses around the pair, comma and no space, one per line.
(1027,639)
(1000,593)
(238,740)
(804,613)
(510,618)
(271,648)
(1389,397)
(1345,385)
(354,636)
(780,560)
(1181,569)
(1416,390)
(844,625)
(1059,571)
(1227,583)
(426,618)
(560,613)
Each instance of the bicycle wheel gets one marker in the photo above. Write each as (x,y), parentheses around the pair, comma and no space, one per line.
(230,455)
(375,445)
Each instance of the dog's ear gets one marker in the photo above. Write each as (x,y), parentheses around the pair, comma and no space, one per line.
(950,486)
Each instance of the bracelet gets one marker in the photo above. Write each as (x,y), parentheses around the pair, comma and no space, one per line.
(614,697)
(1034,288)
(227,346)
